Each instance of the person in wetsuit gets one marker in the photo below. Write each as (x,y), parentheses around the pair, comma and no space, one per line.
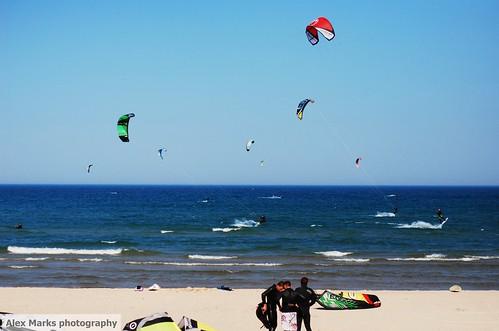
(440,215)
(306,297)
(262,219)
(288,299)
(270,300)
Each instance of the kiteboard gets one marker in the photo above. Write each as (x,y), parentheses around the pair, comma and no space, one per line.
(348,300)
(445,220)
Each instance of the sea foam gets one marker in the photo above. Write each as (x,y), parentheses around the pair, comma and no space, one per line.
(420,225)
(210,257)
(384,214)
(57,251)
(333,253)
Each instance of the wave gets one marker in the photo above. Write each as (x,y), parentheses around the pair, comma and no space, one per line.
(210,257)
(167,231)
(316,225)
(22,266)
(108,241)
(437,257)
(352,260)
(271,197)
(391,195)
(419,225)
(90,260)
(333,253)
(482,257)
(225,229)
(57,251)
(196,264)
(384,214)
(36,259)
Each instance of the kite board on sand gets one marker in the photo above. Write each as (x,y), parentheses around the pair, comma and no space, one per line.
(348,300)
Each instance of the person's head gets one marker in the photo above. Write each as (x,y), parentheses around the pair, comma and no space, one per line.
(287,284)
(304,281)
(279,286)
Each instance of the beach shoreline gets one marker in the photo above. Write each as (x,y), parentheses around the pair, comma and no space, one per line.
(223,310)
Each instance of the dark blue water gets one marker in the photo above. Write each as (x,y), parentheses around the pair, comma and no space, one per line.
(340,237)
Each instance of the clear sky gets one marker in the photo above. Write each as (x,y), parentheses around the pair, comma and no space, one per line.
(410,86)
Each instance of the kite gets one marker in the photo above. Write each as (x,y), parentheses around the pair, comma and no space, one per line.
(88,167)
(123,126)
(321,25)
(159,321)
(301,107)
(160,152)
(188,324)
(357,162)
(249,144)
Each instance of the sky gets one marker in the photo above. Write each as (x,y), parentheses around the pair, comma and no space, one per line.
(412,87)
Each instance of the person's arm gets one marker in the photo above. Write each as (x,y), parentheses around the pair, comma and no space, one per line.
(266,293)
(313,297)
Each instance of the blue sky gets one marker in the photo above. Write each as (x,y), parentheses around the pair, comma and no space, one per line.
(411,87)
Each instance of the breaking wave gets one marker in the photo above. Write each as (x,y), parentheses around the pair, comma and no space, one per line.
(210,257)
(352,260)
(225,229)
(22,266)
(384,214)
(271,197)
(196,264)
(57,251)
(90,260)
(36,259)
(333,253)
(444,258)
(167,231)
(108,241)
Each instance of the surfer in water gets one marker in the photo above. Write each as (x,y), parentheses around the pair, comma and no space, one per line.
(440,216)
(262,219)
(395,210)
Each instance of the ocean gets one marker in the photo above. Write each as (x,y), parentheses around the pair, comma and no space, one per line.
(207,236)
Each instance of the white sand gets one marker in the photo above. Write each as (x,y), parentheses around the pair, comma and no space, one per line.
(235,311)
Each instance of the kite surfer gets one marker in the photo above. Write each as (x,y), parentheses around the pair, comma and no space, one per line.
(395,210)
(440,215)
(306,297)
(19,226)
(267,310)
(262,219)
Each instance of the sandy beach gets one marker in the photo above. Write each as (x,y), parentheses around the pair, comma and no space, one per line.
(226,311)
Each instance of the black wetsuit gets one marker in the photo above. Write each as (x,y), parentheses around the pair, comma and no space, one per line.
(440,216)
(306,297)
(289,301)
(271,298)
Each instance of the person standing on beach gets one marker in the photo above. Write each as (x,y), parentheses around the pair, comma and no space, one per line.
(270,300)
(288,296)
(306,297)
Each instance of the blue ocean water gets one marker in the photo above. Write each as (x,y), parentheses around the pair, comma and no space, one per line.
(177,236)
